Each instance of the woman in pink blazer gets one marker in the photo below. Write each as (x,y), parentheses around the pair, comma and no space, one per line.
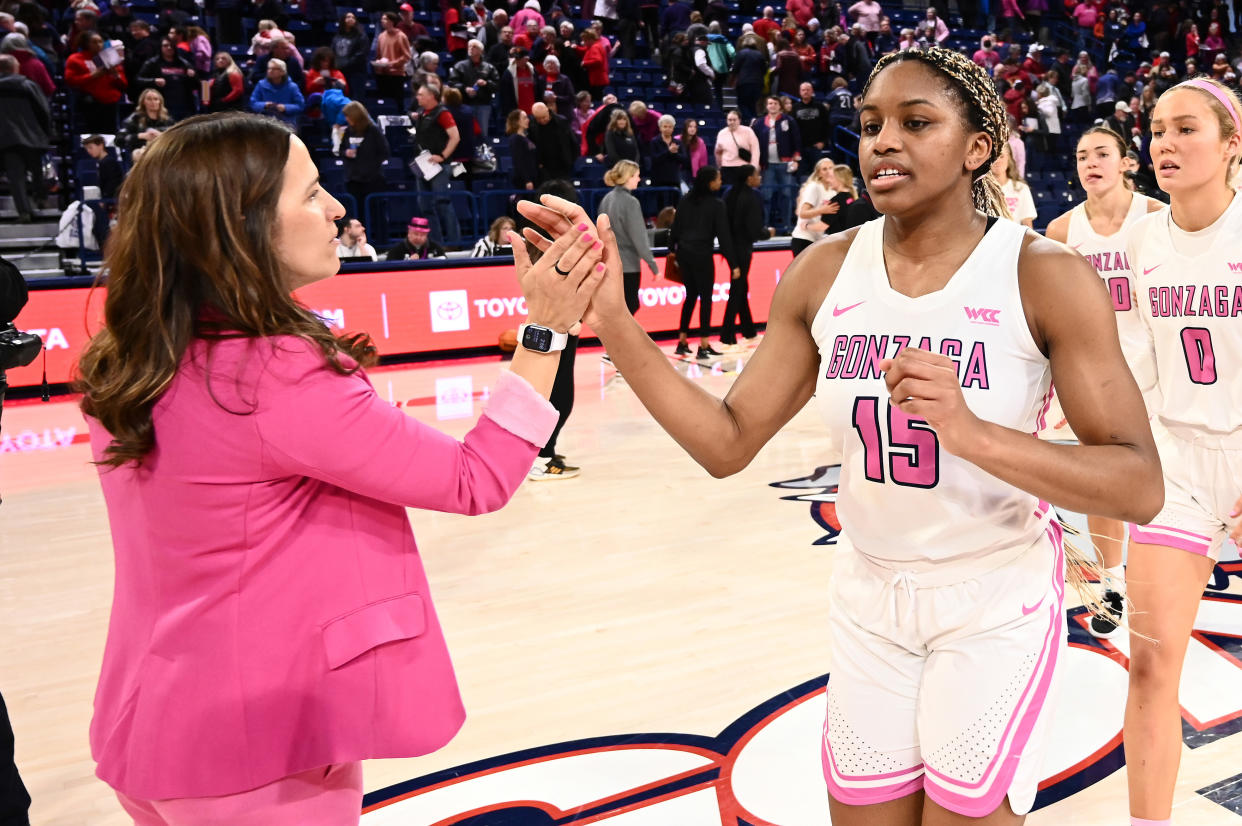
(271,624)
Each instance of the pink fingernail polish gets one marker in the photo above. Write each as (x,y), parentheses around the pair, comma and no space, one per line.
(582,227)
(598,245)
(599,267)
(587,238)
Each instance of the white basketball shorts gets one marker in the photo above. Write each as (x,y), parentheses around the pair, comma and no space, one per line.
(1202,480)
(944,686)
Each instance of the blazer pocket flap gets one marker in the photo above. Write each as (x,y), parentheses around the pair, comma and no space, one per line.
(396,618)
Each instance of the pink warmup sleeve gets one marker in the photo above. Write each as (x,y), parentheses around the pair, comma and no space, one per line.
(318,423)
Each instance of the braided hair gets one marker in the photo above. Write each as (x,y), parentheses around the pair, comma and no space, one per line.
(984,112)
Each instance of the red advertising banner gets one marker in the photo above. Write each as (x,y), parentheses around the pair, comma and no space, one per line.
(437,310)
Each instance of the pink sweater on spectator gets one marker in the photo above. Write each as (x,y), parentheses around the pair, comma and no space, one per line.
(698,155)
(271,614)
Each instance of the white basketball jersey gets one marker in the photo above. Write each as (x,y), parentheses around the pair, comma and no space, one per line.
(1107,253)
(902,498)
(1193,307)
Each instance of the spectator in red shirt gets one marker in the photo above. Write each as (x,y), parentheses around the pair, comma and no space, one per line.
(99,86)
(594,63)
(802,10)
(766,26)
(517,84)
(1034,65)
(322,74)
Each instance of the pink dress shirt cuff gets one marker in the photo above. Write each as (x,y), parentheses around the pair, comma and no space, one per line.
(519,409)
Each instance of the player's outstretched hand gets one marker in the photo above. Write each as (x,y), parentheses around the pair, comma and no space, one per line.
(556,216)
(560,284)
(924,385)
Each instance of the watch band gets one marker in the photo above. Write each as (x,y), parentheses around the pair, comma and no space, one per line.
(542,339)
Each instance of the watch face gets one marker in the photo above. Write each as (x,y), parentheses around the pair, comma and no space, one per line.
(537,338)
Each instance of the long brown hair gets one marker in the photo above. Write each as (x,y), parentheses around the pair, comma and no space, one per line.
(193,261)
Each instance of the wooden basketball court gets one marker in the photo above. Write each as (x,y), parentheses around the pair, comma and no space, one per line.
(639,645)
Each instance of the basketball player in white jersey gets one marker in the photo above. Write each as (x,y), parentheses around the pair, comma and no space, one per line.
(1098,230)
(927,338)
(1187,260)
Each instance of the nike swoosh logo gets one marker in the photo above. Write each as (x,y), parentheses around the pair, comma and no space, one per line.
(836,311)
(1149,270)
(1028,611)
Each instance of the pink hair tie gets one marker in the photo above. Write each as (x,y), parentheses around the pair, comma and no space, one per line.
(1230,107)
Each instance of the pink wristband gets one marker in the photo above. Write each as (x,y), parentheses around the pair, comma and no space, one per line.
(1211,89)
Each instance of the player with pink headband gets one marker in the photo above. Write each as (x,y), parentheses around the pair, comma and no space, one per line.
(1187,261)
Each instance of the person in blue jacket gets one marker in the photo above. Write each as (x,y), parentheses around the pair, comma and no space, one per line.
(277,96)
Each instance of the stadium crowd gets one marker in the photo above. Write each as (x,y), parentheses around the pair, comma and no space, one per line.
(447,97)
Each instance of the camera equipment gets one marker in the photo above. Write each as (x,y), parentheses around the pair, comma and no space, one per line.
(17,349)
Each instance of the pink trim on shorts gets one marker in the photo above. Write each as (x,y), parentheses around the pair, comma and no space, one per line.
(866,795)
(1044,669)
(1164,535)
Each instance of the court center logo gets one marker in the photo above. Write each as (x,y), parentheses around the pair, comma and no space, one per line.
(764,768)
(449,310)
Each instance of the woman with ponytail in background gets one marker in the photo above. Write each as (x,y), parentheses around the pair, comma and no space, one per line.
(928,338)
(1185,261)
(1099,229)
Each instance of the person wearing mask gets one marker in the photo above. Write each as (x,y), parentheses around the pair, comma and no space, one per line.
(779,155)
(521,151)
(276,95)
(239,460)
(736,146)
(352,47)
(477,80)
(227,90)
(148,121)
(392,56)
(554,144)
(699,224)
(354,241)
(744,208)
(620,144)
(417,244)
(99,87)
(437,135)
(364,150)
(25,131)
(626,217)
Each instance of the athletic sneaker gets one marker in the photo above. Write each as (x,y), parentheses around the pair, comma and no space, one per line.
(707,353)
(683,349)
(1101,627)
(553,468)
(733,348)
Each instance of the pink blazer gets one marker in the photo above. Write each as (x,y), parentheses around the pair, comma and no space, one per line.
(271,614)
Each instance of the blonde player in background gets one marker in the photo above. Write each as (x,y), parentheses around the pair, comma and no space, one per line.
(1188,263)
(1098,230)
(927,338)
